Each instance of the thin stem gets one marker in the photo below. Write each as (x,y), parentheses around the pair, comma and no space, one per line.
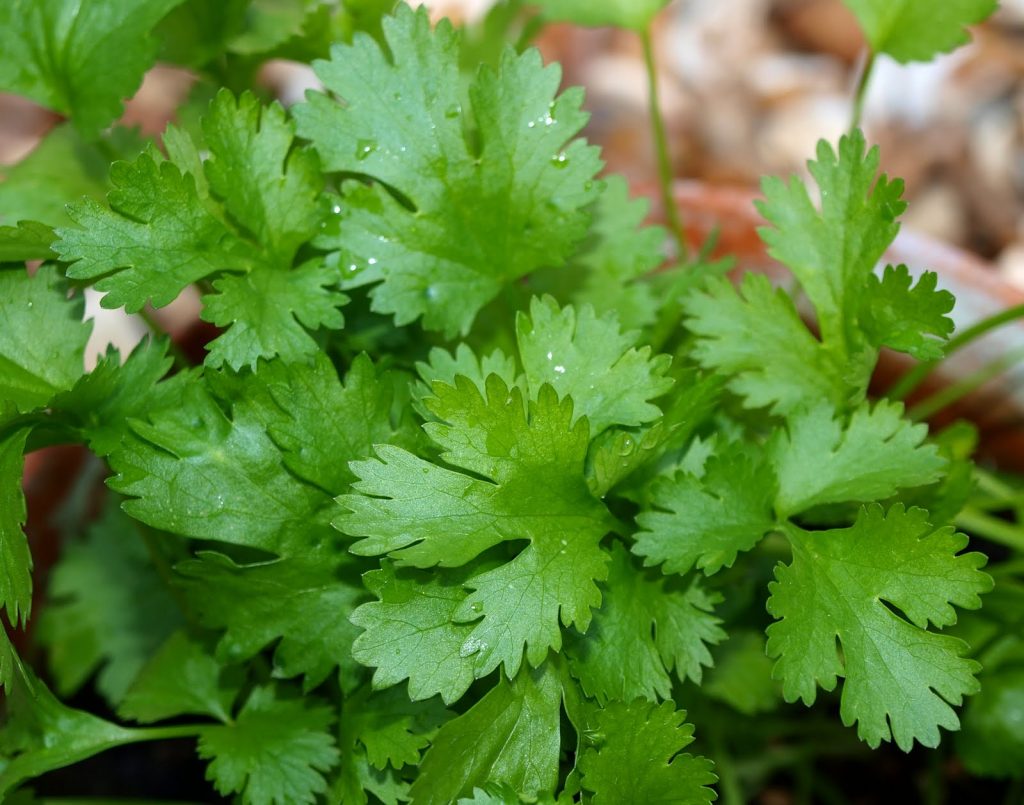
(912,379)
(665,176)
(863,81)
(991,528)
(729,785)
(941,399)
(180,358)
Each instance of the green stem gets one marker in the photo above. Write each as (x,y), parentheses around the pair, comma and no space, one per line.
(729,785)
(863,81)
(180,359)
(991,528)
(665,175)
(930,406)
(935,794)
(912,379)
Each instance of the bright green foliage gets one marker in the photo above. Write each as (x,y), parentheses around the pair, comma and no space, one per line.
(820,461)
(392,730)
(62,168)
(182,678)
(445,366)
(647,628)
(246,209)
(303,601)
(900,679)
(637,757)
(29,240)
(425,515)
(79,59)
(99,405)
(42,337)
(165,469)
(756,338)
(15,559)
(486,214)
(275,752)
(409,632)
(636,14)
(706,522)
(918,30)
(108,609)
(326,424)
(895,314)
(591,361)
(832,251)
(488,743)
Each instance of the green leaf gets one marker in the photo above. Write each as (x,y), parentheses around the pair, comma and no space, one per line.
(303,601)
(742,676)
(757,337)
(593,362)
(326,424)
(635,14)
(29,240)
(832,252)
(166,468)
(895,315)
(62,168)
(79,59)
(182,678)
(705,522)
(108,609)
(638,757)
(647,628)
(424,515)
(511,735)
(275,752)
(392,730)
(478,215)
(410,633)
(101,402)
(991,743)
(918,30)
(820,461)
(42,337)
(856,602)
(444,366)
(15,558)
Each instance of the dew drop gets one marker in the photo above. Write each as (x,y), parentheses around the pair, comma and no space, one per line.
(551,356)
(336,209)
(560,370)
(453,111)
(372,261)
(477,606)
(560,160)
(431,292)
(364,148)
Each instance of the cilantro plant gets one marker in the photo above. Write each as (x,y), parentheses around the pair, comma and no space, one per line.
(475,492)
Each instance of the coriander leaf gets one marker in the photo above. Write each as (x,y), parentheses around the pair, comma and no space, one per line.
(757,337)
(157,237)
(485,214)
(742,676)
(182,678)
(108,609)
(166,469)
(325,424)
(304,601)
(39,733)
(706,522)
(29,240)
(991,743)
(511,735)
(593,362)
(635,14)
(424,515)
(647,627)
(617,252)
(42,337)
(833,251)
(62,168)
(15,557)
(393,730)
(901,317)
(410,633)
(80,59)
(873,588)
(820,461)
(445,366)
(270,312)
(918,30)
(638,757)
(101,402)
(276,751)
